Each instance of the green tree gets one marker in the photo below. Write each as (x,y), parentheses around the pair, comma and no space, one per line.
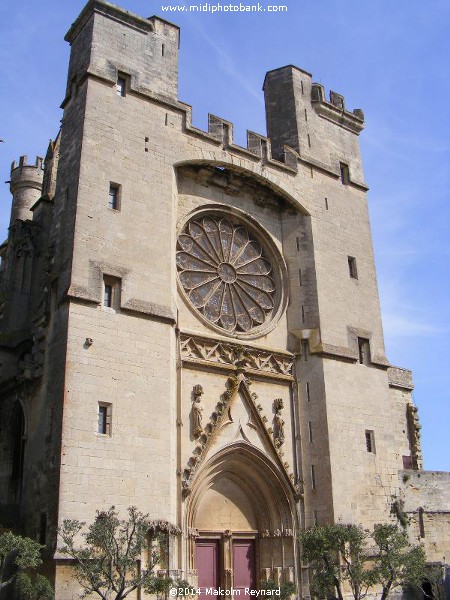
(335,554)
(348,554)
(18,556)
(107,563)
(396,562)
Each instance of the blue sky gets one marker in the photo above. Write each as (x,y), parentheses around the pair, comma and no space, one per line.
(388,58)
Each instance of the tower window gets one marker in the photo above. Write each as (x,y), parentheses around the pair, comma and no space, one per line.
(104,418)
(121,85)
(313,477)
(352,267)
(114,196)
(308,394)
(111,292)
(364,351)
(370,441)
(310,433)
(345,173)
(305,349)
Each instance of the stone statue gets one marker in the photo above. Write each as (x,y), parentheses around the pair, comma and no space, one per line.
(197,409)
(278,423)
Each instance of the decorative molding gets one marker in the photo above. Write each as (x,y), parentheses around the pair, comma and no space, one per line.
(218,418)
(233,357)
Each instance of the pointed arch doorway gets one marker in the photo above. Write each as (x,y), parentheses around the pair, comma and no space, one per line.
(241,519)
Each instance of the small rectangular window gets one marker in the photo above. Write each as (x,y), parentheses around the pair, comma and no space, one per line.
(308,394)
(352,267)
(305,349)
(104,418)
(310,434)
(316,517)
(370,441)
(114,196)
(121,85)
(407,461)
(313,477)
(345,173)
(111,292)
(364,351)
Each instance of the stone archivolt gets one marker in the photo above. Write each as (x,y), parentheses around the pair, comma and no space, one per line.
(219,418)
(231,356)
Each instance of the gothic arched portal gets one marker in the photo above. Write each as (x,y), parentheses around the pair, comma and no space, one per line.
(241,521)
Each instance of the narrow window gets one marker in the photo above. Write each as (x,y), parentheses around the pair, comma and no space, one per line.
(305,349)
(309,140)
(104,418)
(297,241)
(313,477)
(43,529)
(326,203)
(421,523)
(303,314)
(352,267)
(370,441)
(162,50)
(121,86)
(306,115)
(316,517)
(111,292)
(308,394)
(364,351)
(107,296)
(310,435)
(114,196)
(300,279)
(345,173)
(301,85)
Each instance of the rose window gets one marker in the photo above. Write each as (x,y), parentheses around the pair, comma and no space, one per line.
(225,274)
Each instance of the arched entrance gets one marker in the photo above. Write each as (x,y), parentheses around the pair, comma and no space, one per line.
(241,521)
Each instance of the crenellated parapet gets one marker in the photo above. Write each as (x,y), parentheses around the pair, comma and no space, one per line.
(334,109)
(25,186)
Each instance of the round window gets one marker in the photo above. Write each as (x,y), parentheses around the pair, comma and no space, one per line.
(227,274)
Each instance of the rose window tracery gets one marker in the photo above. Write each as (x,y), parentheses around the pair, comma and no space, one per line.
(225,273)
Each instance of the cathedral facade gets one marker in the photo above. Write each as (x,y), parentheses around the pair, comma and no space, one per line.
(193,327)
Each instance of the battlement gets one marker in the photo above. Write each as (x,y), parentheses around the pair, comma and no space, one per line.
(258,145)
(334,109)
(23,162)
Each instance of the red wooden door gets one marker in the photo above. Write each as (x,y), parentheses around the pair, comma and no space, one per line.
(244,566)
(207,560)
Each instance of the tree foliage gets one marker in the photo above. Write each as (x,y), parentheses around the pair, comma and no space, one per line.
(107,563)
(18,556)
(348,555)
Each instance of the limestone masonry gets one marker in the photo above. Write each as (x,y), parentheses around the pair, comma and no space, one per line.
(193,327)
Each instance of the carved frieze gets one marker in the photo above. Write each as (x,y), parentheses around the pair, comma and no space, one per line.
(226,355)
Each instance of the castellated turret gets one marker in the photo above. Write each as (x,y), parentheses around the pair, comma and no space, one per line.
(25,187)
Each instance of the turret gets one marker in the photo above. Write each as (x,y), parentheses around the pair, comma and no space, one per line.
(25,187)
(324,132)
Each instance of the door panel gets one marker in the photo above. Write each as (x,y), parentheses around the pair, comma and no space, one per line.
(207,560)
(244,565)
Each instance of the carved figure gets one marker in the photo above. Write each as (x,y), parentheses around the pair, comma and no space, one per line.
(278,423)
(196,412)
